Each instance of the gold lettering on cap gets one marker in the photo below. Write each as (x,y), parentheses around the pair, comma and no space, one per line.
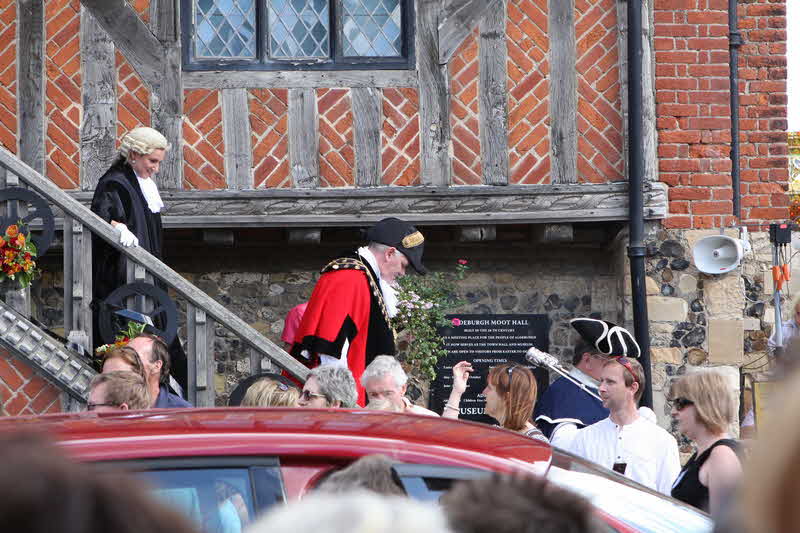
(415,239)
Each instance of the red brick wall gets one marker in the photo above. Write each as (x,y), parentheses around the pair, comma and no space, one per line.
(63,91)
(400,137)
(269,126)
(693,112)
(203,142)
(133,99)
(528,92)
(23,391)
(336,148)
(464,116)
(142,8)
(600,128)
(8,75)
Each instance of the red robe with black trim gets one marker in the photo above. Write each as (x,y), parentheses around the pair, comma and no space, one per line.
(339,310)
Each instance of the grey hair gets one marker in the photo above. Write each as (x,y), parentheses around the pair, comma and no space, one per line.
(337,384)
(377,247)
(143,141)
(353,512)
(382,365)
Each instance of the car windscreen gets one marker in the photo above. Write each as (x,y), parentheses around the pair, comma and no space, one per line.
(625,500)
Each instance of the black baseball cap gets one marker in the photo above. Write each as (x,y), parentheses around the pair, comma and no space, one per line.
(401,235)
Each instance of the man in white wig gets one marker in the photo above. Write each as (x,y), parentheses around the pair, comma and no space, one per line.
(127,198)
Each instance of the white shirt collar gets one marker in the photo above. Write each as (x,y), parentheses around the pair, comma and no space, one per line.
(389,293)
(150,193)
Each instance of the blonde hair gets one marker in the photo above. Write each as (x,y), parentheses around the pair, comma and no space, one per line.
(125,387)
(268,392)
(711,395)
(143,141)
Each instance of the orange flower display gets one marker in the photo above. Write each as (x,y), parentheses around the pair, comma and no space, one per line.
(17,254)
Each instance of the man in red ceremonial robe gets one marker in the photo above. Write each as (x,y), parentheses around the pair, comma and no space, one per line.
(348,318)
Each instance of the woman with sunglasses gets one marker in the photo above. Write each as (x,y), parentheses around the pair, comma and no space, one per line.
(703,407)
(267,392)
(510,394)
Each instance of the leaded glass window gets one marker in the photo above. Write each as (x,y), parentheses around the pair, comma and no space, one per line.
(297,34)
(225,29)
(372,28)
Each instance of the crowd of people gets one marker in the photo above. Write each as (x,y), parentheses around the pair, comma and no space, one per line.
(344,335)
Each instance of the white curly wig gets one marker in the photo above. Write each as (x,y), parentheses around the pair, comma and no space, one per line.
(143,141)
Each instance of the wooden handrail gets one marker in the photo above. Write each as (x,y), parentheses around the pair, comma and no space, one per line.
(198,298)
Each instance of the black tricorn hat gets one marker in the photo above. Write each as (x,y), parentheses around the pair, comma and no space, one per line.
(609,338)
(401,235)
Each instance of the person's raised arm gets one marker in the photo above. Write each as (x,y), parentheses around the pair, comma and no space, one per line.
(461,372)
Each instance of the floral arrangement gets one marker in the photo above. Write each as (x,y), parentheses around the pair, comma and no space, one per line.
(133,329)
(17,254)
(423,302)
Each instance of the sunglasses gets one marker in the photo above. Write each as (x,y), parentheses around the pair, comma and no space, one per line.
(93,406)
(626,363)
(307,396)
(682,403)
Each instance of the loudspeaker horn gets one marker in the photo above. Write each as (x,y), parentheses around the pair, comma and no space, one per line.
(718,254)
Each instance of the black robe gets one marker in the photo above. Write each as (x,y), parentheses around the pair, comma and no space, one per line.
(118,197)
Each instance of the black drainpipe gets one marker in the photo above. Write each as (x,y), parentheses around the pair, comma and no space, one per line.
(734,42)
(636,249)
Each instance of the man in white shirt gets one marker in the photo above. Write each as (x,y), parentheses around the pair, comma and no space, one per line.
(385,381)
(626,442)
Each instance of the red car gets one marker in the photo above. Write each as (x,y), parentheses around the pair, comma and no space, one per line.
(197,458)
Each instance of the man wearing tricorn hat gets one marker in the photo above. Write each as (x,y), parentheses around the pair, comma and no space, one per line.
(625,441)
(564,408)
(347,320)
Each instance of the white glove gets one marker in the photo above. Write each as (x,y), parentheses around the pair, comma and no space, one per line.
(126,238)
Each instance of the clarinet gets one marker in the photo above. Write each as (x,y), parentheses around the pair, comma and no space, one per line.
(540,358)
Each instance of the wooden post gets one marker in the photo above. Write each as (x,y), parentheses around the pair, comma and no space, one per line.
(304,138)
(200,332)
(78,281)
(236,132)
(434,98)
(31,83)
(492,99)
(563,91)
(99,120)
(367,127)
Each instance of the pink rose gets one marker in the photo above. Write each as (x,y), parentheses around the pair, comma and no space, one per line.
(456,321)
(462,261)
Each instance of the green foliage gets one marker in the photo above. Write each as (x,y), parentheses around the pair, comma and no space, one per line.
(423,302)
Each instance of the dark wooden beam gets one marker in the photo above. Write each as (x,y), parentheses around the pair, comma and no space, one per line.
(457,19)
(134,39)
(563,91)
(434,97)
(31,83)
(304,138)
(99,126)
(493,110)
(478,233)
(367,135)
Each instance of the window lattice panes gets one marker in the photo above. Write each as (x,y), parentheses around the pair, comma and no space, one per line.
(299,29)
(372,28)
(225,29)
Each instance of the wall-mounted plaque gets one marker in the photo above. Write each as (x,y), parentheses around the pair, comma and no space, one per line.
(485,341)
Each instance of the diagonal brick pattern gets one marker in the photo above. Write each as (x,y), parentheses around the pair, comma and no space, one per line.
(400,143)
(464,123)
(8,75)
(63,91)
(600,127)
(23,391)
(203,143)
(142,8)
(269,131)
(528,92)
(133,99)
(336,148)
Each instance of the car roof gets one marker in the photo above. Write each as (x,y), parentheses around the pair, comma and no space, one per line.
(287,432)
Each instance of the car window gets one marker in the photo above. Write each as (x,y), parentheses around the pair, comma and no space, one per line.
(218,498)
(625,500)
(429,482)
